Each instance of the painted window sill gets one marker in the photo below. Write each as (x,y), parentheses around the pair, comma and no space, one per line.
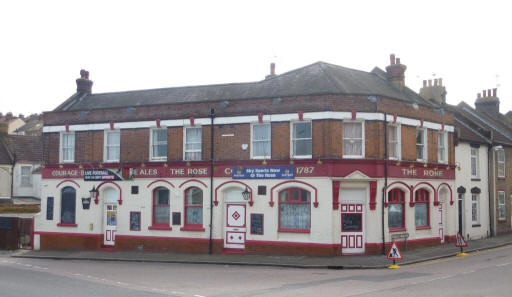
(192,228)
(475,179)
(476,225)
(423,228)
(397,229)
(157,227)
(285,230)
(67,225)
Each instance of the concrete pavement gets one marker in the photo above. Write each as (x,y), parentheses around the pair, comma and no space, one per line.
(341,262)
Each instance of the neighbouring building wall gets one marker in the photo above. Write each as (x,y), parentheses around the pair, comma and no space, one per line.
(475,216)
(26,185)
(5,181)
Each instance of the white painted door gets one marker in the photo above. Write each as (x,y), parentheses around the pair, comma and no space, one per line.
(236,227)
(110,224)
(352,221)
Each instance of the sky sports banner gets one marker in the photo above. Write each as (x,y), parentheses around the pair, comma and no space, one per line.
(269,172)
(101,174)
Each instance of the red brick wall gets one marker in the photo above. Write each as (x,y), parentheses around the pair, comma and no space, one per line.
(51,143)
(280,140)
(67,241)
(134,145)
(374,140)
(432,145)
(402,108)
(175,144)
(408,143)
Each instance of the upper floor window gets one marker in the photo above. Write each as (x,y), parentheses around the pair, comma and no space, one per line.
(193,143)
(421,208)
(394,147)
(475,209)
(502,211)
(474,163)
(301,140)
(158,140)
(261,141)
(500,156)
(421,144)
(294,210)
(442,152)
(112,142)
(67,147)
(194,207)
(353,139)
(26,175)
(396,209)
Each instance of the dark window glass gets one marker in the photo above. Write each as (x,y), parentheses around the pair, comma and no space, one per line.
(68,205)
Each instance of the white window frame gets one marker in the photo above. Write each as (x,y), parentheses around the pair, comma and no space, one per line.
(502,163)
(151,157)
(292,123)
(475,203)
(29,184)
(105,146)
(501,194)
(398,128)
(185,151)
(476,157)
(61,148)
(444,135)
(362,140)
(425,144)
(269,154)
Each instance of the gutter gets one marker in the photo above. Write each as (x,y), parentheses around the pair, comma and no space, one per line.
(210,242)
(385,182)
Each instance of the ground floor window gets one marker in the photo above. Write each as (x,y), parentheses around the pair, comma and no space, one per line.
(501,206)
(421,208)
(194,206)
(68,205)
(161,209)
(396,209)
(295,210)
(475,206)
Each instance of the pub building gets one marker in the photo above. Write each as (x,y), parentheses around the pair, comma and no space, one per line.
(322,160)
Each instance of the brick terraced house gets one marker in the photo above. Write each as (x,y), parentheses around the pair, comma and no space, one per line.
(321,160)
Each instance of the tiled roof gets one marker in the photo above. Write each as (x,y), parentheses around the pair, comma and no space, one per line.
(5,156)
(25,148)
(315,79)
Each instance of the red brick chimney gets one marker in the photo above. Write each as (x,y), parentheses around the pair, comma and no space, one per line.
(83,84)
(396,72)
(272,71)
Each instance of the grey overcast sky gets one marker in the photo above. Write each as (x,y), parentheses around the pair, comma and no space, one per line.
(129,45)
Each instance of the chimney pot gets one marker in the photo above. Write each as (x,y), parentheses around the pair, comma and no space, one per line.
(485,93)
(429,82)
(479,95)
(441,82)
(398,61)
(272,68)
(435,82)
(392,59)
(83,84)
(424,83)
(489,92)
(495,92)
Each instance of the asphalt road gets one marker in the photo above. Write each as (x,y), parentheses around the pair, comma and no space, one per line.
(486,273)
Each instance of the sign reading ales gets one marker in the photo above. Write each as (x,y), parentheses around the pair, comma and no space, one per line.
(100,174)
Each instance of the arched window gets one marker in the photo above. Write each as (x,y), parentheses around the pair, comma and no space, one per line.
(294,210)
(161,209)
(396,210)
(421,209)
(193,207)
(68,206)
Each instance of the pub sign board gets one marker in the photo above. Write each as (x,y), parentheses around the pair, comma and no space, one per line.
(268,172)
(100,174)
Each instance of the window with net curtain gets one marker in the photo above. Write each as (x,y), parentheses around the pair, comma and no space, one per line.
(393,142)
(159,144)
(26,175)
(68,147)
(301,139)
(294,210)
(161,209)
(396,209)
(261,139)
(420,145)
(501,206)
(353,139)
(68,205)
(112,148)
(500,156)
(441,147)
(194,207)
(475,209)
(193,141)
(421,208)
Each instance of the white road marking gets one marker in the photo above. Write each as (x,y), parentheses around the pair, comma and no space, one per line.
(504,264)
(198,296)
(466,272)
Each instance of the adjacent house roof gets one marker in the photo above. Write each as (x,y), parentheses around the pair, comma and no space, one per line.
(24,148)
(315,79)
(5,154)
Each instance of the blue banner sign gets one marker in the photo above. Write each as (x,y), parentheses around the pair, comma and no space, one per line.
(267,172)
